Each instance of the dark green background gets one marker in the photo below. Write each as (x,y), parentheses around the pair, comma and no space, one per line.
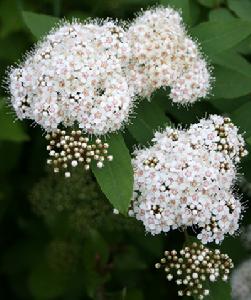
(47,251)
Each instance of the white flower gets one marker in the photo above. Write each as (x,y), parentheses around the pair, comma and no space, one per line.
(179,183)
(75,75)
(241,281)
(115,211)
(163,55)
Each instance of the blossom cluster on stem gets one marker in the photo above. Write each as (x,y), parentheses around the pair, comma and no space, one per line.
(186,180)
(91,74)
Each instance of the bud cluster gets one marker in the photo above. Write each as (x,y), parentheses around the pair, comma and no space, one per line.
(70,150)
(193,266)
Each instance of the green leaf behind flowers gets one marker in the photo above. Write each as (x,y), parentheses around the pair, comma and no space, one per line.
(218,36)
(116,178)
(39,24)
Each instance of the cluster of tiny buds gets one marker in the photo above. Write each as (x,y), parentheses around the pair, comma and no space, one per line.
(224,144)
(70,150)
(174,136)
(193,266)
(156,209)
(151,162)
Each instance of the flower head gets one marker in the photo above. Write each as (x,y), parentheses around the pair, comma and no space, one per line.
(75,75)
(163,55)
(179,183)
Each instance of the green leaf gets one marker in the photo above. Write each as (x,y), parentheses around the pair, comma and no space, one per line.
(211,3)
(10,53)
(39,24)
(230,84)
(248,140)
(195,12)
(152,245)
(233,61)
(116,178)
(10,18)
(149,117)
(22,255)
(80,15)
(242,8)
(220,14)
(244,47)
(125,294)
(45,284)
(234,247)
(130,259)
(220,290)
(96,246)
(133,294)
(182,5)
(179,113)
(95,256)
(241,117)
(229,105)
(216,37)
(10,130)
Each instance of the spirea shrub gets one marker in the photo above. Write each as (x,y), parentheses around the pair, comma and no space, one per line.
(81,83)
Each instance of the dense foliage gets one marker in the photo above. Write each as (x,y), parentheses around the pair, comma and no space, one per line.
(59,237)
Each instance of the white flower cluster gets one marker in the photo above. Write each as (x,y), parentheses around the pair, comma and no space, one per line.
(241,281)
(75,75)
(163,55)
(90,74)
(184,179)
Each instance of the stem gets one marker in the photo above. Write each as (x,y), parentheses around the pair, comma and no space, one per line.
(186,235)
